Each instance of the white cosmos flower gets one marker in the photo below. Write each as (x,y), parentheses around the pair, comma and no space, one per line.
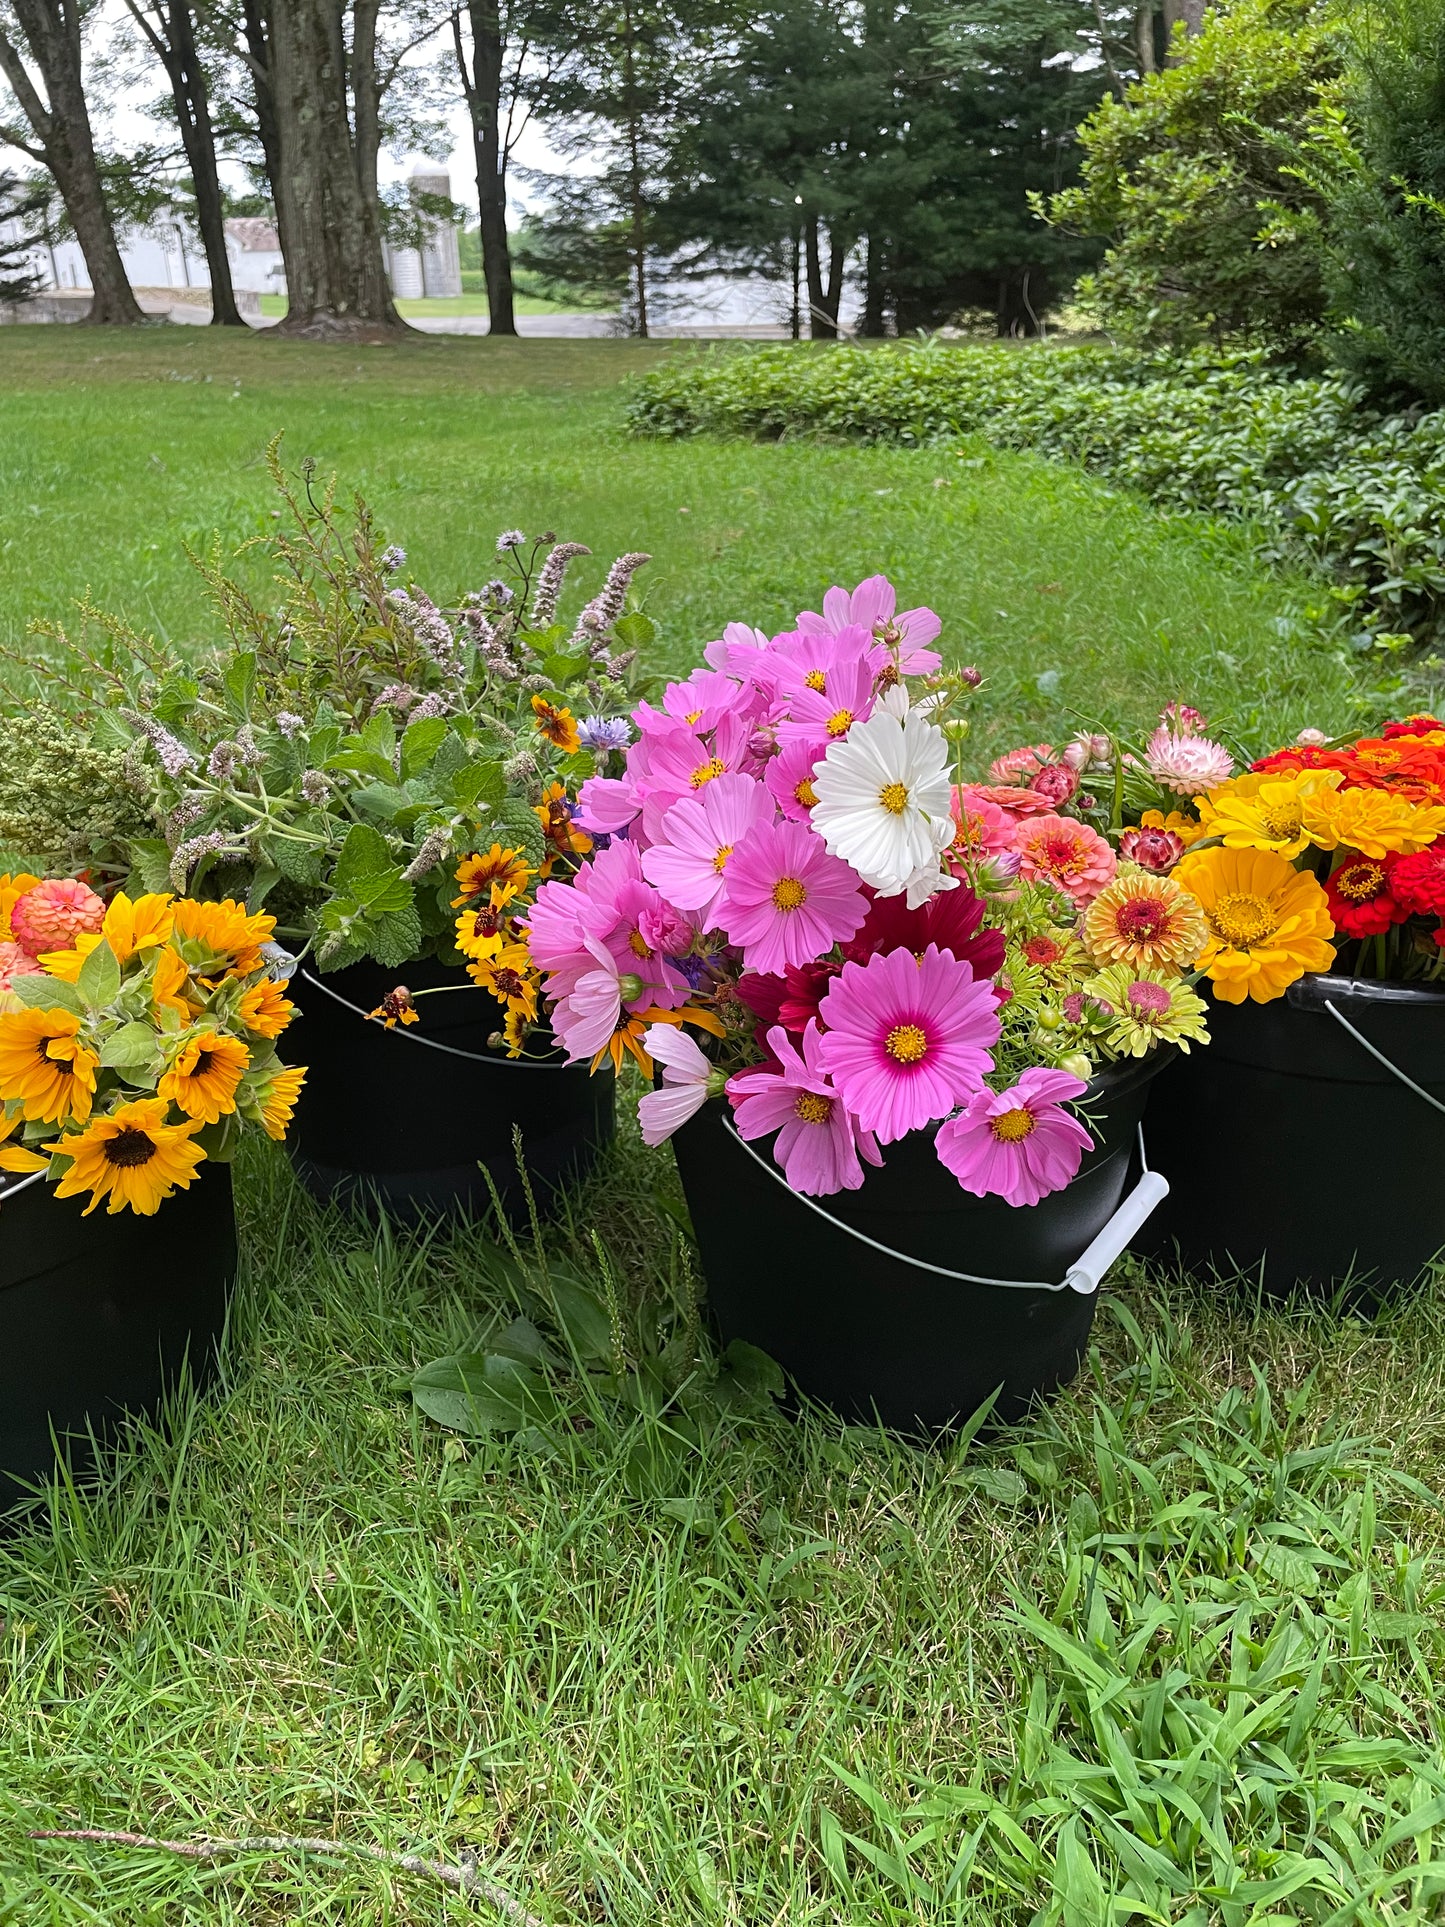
(884,798)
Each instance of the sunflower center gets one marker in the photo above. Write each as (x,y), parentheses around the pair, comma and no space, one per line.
(804,793)
(50,1060)
(719,862)
(1141,919)
(129,1148)
(840,722)
(815,679)
(1148,1001)
(1242,919)
(813,1108)
(202,1065)
(894,798)
(705,772)
(1012,1127)
(1359,882)
(639,945)
(907,1043)
(789,893)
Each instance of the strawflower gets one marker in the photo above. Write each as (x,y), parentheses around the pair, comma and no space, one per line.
(819,1141)
(1020,1144)
(1268,922)
(907,1038)
(1186,764)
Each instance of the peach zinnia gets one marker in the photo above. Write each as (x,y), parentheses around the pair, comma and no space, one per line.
(1145,921)
(1066,853)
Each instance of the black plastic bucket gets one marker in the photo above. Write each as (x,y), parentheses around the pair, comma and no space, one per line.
(873,1337)
(98,1314)
(387,1120)
(1294,1156)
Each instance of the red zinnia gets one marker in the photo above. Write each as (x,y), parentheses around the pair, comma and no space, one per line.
(1361,900)
(1411,726)
(1418,882)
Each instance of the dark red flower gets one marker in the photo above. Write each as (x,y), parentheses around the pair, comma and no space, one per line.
(1418,882)
(951,919)
(1362,903)
(789,1000)
(1411,726)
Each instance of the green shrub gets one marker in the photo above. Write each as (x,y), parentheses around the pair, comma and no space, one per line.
(1357,492)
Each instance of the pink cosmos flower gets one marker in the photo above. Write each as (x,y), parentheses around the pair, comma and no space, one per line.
(1186,764)
(564,914)
(54,914)
(699,835)
(687,1083)
(805,659)
(789,776)
(872,605)
(680,762)
(983,828)
(607,804)
(739,650)
(785,900)
(829,712)
(15,962)
(819,1140)
(1062,851)
(1019,1144)
(645,934)
(585,1018)
(908,1038)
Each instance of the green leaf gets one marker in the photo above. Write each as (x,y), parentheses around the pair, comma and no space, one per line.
(479,785)
(384,893)
(564,669)
(222,1140)
(301,863)
(382,801)
(264,879)
(38,991)
(515,824)
(394,939)
(150,865)
(379,734)
(99,979)
(132,1044)
(580,1313)
(421,742)
(238,679)
(483,1392)
(999,1482)
(362,762)
(635,629)
(365,853)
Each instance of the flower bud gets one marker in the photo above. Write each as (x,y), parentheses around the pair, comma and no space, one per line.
(1078,1063)
(629,988)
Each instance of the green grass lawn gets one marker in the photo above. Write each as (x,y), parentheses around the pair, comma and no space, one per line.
(1168,1653)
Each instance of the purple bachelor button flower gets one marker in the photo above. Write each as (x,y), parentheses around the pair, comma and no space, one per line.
(603,733)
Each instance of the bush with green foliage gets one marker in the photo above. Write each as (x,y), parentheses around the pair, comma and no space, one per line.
(1323,478)
(1213,236)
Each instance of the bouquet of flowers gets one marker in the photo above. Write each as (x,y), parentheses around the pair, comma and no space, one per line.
(1324,855)
(866,948)
(354,740)
(137,1038)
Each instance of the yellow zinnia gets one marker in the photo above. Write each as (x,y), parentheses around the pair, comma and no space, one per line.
(280,1101)
(1145,921)
(1264,811)
(222,933)
(133,1158)
(205,1074)
(265,1008)
(1374,822)
(1268,923)
(1187,828)
(44,1067)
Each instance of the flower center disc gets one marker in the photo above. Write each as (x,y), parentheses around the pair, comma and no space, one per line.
(840,722)
(707,771)
(1142,919)
(1011,1127)
(894,798)
(1148,1001)
(815,679)
(129,1148)
(1241,919)
(907,1043)
(719,862)
(805,793)
(1359,882)
(638,945)
(1281,821)
(813,1108)
(789,893)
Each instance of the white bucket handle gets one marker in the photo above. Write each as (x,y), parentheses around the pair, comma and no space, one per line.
(1380,1057)
(1086,1273)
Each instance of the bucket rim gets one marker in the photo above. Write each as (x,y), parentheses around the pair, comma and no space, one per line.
(1317,988)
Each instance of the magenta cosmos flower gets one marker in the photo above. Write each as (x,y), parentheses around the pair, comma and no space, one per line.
(785,900)
(819,1141)
(1062,851)
(873,604)
(828,709)
(907,1039)
(1019,1144)
(699,835)
(789,775)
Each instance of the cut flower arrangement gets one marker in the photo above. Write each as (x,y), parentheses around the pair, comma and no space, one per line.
(353,742)
(863,947)
(137,1039)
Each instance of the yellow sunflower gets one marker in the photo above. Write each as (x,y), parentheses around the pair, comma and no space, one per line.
(279,1102)
(265,1008)
(557,724)
(555,815)
(1268,923)
(477,873)
(171,983)
(510,978)
(1265,811)
(44,1067)
(132,1157)
(1374,822)
(12,888)
(15,1157)
(1145,921)
(222,933)
(205,1074)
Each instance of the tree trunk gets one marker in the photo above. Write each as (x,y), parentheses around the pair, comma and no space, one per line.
(330,235)
(822,299)
(258,57)
(1188,13)
(635,186)
(174,44)
(873,294)
(61,125)
(1144,40)
(483,90)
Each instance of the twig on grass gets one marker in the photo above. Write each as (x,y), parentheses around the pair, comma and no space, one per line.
(466,1876)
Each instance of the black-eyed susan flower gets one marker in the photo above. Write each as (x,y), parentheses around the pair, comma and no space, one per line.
(477,873)
(44,1067)
(396,1007)
(557,724)
(205,1075)
(132,1158)
(483,931)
